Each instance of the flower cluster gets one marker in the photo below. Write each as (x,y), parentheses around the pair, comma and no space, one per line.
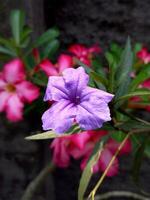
(81,146)
(91,101)
(15,90)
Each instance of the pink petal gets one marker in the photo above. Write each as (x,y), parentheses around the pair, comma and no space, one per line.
(36,54)
(148,108)
(78,49)
(60,152)
(48,67)
(27,91)
(64,61)
(79,140)
(96,135)
(2,82)
(84,163)
(78,153)
(3,100)
(14,108)
(95,49)
(146,84)
(14,71)
(104,161)
(113,145)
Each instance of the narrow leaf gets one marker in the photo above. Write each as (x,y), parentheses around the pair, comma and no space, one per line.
(51,48)
(132,94)
(7,51)
(17,19)
(87,173)
(45,136)
(142,76)
(99,78)
(123,70)
(47,36)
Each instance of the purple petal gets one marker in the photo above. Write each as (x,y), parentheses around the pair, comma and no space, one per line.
(55,89)
(89,92)
(75,80)
(59,117)
(92,114)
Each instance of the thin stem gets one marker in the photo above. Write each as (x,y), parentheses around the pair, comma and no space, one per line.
(93,192)
(126,194)
(37,182)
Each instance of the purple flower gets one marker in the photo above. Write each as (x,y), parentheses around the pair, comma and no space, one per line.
(75,102)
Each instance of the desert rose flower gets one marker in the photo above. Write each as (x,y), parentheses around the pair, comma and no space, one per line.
(63,147)
(75,102)
(144,55)
(15,90)
(64,61)
(80,146)
(106,155)
(83,53)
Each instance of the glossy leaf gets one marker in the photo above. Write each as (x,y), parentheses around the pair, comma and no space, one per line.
(142,76)
(99,78)
(47,36)
(128,125)
(118,136)
(17,19)
(87,173)
(44,136)
(124,69)
(51,48)
(142,92)
(4,50)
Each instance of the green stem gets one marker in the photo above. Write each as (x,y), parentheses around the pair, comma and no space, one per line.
(126,194)
(37,182)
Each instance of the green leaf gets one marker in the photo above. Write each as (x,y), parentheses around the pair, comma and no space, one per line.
(118,136)
(125,65)
(51,48)
(25,33)
(124,69)
(47,36)
(137,47)
(139,92)
(109,58)
(4,50)
(87,173)
(45,136)
(17,20)
(99,78)
(138,161)
(132,124)
(142,76)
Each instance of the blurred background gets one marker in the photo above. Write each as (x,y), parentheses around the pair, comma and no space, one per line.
(88,22)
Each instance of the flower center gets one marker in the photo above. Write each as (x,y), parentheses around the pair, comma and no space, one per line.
(10,87)
(76,100)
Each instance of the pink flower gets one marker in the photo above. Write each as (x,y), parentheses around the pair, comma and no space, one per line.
(106,155)
(83,53)
(15,90)
(133,102)
(81,146)
(63,147)
(144,55)
(64,61)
